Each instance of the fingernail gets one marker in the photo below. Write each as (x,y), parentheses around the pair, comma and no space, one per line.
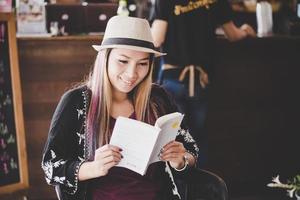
(121,149)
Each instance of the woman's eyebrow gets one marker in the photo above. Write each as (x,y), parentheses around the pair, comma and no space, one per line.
(124,55)
(146,58)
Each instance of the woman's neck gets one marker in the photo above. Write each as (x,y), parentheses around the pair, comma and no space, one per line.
(119,97)
(121,106)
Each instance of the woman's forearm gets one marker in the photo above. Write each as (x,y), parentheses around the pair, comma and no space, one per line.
(86,171)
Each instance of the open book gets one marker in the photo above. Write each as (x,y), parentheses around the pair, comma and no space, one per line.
(141,142)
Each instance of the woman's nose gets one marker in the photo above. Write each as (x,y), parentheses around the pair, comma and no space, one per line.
(131,71)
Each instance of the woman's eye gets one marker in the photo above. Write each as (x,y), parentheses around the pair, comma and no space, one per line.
(144,64)
(123,61)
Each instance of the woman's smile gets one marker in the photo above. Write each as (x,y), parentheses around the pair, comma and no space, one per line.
(126,82)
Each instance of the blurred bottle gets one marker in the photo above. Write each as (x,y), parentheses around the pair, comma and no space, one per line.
(264,18)
(122,9)
(54,30)
(298,8)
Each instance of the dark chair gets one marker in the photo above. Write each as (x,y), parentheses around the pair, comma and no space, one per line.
(203,185)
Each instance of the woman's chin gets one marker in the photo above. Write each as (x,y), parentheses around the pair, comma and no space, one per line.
(125,89)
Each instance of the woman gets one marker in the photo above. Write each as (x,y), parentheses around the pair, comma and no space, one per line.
(78,159)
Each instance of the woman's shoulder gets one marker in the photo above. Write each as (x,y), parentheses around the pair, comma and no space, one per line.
(75,94)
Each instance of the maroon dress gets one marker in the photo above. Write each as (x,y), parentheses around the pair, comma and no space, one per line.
(123,184)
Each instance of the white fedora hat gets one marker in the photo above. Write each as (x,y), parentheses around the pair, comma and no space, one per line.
(128,33)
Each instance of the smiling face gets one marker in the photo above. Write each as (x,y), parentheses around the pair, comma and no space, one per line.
(126,69)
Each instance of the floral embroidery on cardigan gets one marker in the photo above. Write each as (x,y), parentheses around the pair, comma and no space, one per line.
(81,137)
(53,155)
(48,169)
(59,179)
(81,159)
(79,112)
(57,163)
(189,139)
(49,165)
(186,135)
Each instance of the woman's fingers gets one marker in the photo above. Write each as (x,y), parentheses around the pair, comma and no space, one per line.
(112,158)
(108,147)
(173,151)
(105,158)
(173,146)
(172,156)
(107,150)
(101,167)
(107,153)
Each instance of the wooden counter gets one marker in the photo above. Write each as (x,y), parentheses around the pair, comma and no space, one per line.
(253,115)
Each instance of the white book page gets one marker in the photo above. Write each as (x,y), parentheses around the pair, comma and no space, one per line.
(170,124)
(137,140)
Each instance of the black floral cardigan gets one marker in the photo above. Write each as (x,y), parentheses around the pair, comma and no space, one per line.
(66,146)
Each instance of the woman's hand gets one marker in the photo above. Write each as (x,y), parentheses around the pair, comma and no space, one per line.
(105,158)
(174,153)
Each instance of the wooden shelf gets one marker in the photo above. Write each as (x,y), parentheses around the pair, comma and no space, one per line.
(64,38)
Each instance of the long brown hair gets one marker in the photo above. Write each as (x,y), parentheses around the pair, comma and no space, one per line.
(98,117)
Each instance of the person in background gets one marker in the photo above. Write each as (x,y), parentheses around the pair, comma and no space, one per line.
(78,158)
(185,30)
